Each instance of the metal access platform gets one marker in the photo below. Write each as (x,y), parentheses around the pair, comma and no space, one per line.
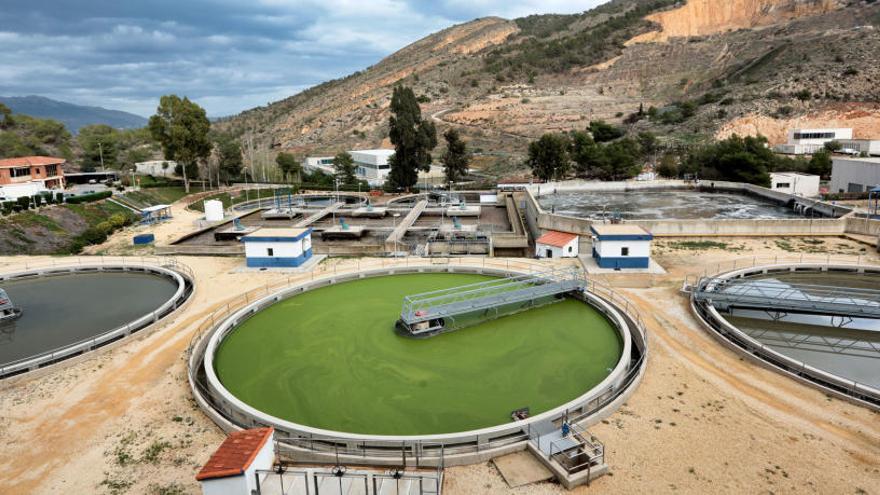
(779,298)
(431,313)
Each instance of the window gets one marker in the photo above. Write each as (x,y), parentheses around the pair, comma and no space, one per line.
(782,185)
(51,170)
(570,249)
(624,251)
(270,252)
(21,172)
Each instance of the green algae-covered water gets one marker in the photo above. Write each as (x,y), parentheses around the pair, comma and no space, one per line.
(330,359)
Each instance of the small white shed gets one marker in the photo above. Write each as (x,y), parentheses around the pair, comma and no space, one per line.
(268,247)
(554,244)
(618,246)
(232,470)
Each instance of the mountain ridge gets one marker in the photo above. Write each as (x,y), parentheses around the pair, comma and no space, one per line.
(73,116)
(504,82)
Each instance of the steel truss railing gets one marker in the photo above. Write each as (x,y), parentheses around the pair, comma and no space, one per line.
(725,293)
(486,295)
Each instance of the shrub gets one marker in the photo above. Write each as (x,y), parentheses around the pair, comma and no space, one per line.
(24,202)
(89,198)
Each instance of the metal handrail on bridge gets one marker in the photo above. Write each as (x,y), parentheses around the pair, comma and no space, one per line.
(725,293)
(484,295)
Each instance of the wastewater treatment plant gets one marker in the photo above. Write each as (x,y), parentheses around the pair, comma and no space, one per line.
(381,362)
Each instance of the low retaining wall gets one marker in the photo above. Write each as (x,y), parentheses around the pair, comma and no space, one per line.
(538,220)
(448,449)
(180,273)
(740,342)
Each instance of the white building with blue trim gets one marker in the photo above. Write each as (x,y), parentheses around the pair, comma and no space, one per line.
(275,247)
(620,246)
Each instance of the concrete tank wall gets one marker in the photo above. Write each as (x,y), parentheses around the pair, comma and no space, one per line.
(539,220)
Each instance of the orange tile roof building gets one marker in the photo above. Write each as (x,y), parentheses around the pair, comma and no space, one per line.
(232,468)
(38,170)
(554,244)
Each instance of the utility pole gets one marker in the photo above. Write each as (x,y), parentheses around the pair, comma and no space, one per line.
(101,153)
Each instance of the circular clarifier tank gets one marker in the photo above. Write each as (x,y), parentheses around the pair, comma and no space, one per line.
(70,311)
(836,349)
(330,359)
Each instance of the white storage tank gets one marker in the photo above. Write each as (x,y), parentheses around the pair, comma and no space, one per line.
(214,210)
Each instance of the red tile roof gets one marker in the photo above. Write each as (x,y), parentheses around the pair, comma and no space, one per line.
(235,454)
(554,238)
(25,161)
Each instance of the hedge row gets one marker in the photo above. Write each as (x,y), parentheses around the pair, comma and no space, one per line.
(89,198)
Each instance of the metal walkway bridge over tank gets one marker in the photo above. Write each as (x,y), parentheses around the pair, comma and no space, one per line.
(431,313)
(779,298)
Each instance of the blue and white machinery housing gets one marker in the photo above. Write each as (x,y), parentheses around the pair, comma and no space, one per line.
(277,247)
(617,246)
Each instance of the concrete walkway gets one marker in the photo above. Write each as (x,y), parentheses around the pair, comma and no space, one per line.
(408,221)
(305,222)
(521,468)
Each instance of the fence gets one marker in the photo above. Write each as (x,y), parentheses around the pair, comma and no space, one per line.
(163,266)
(738,340)
(411,450)
(339,480)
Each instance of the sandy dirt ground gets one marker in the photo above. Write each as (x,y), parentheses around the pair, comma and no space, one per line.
(702,421)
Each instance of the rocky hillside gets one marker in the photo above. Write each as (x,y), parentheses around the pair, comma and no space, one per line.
(708,67)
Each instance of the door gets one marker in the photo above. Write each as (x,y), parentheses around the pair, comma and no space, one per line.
(549,253)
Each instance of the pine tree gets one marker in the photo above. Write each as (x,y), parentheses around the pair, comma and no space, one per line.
(343,168)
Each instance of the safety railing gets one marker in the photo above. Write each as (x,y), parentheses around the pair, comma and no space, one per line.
(744,343)
(29,269)
(416,451)
(753,261)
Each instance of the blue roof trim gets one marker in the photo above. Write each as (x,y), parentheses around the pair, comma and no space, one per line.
(622,237)
(251,237)
(625,237)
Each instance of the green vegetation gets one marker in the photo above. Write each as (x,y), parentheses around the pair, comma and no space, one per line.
(289,166)
(413,139)
(608,158)
(182,128)
(336,362)
(21,135)
(114,148)
(457,158)
(548,44)
(548,156)
(229,159)
(343,167)
(88,198)
(698,245)
(738,159)
(151,196)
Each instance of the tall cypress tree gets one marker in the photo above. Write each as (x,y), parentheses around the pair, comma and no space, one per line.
(412,137)
(456,158)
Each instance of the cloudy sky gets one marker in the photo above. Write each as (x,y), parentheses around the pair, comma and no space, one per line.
(228,55)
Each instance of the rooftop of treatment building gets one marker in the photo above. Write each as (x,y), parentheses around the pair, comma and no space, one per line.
(277,233)
(610,229)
